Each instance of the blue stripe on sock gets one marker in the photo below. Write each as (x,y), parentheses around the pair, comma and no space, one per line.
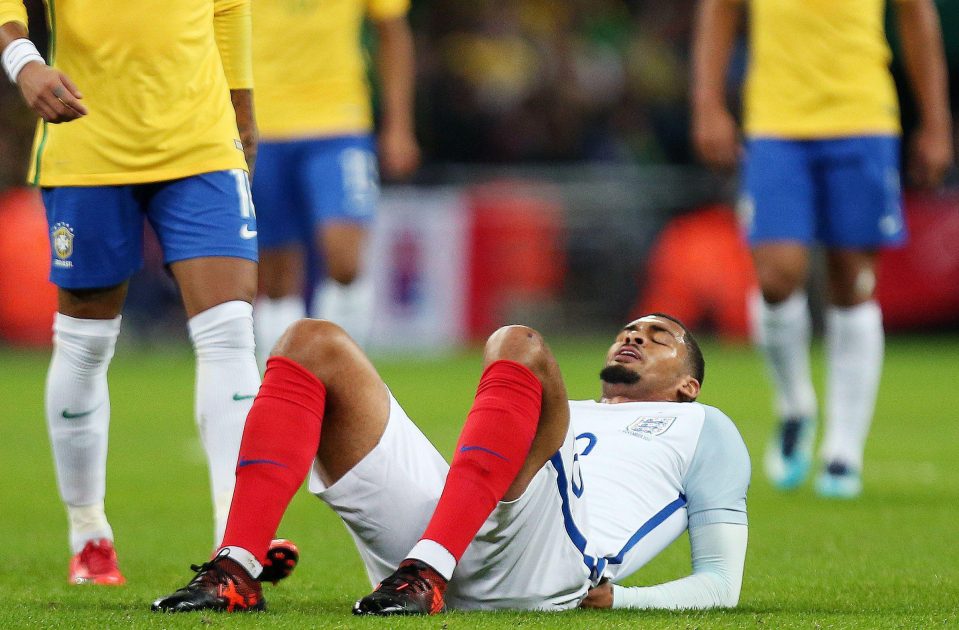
(464,449)
(249,462)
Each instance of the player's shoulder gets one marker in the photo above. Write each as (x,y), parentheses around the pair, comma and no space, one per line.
(715,415)
(720,433)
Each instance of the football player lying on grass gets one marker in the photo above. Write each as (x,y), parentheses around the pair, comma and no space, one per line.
(547,504)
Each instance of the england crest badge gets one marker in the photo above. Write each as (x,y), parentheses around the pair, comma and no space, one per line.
(649,426)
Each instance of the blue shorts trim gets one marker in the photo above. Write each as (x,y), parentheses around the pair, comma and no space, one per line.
(302,184)
(842,192)
(96,232)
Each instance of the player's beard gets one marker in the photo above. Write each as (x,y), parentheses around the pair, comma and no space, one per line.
(617,374)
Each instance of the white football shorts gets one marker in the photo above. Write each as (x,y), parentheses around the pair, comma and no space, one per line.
(526,556)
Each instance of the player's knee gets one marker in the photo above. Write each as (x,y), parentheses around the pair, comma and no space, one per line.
(850,287)
(342,271)
(316,344)
(521,344)
(777,283)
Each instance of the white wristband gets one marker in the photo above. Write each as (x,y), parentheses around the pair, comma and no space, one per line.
(17,54)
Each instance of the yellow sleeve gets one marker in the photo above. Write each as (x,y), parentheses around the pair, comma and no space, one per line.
(13,11)
(387,9)
(232,25)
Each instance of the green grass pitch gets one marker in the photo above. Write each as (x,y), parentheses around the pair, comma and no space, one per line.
(888,560)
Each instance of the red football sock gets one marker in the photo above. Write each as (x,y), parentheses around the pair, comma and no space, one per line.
(492,448)
(280,440)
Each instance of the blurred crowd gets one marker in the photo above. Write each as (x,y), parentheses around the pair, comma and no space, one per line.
(546,81)
(513,81)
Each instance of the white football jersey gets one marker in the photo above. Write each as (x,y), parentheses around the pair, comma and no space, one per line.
(646,471)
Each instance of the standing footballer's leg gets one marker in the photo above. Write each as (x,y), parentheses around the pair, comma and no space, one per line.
(782,330)
(217,293)
(320,398)
(519,418)
(854,352)
(280,303)
(78,418)
(346,295)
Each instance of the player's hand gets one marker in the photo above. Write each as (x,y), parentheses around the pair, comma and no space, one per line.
(50,93)
(399,154)
(930,153)
(600,596)
(716,137)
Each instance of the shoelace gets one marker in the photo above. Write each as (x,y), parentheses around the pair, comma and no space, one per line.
(203,571)
(409,577)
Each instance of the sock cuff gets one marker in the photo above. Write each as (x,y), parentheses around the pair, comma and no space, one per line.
(869,308)
(209,320)
(288,380)
(435,555)
(243,558)
(798,301)
(282,301)
(65,324)
(511,372)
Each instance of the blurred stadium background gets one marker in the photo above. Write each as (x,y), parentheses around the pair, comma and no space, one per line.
(559,190)
(558,183)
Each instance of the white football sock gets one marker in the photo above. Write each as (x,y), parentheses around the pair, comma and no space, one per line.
(349,305)
(271,318)
(78,419)
(854,349)
(783,332)
(227,379)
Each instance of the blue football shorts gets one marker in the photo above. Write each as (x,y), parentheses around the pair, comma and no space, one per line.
(302,184)
(96,232)
(841,192)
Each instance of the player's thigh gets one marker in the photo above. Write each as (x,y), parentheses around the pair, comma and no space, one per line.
(342,244)
(531,553)
(387,498)
(861,201)
(282,270)
(778,198)
(207,229)
(210,214)
(283,217)
(341,180)
(96,235)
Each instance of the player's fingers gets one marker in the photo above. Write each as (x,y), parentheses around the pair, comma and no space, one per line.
(69,101)
(46,112)
(70,85)
(60,111)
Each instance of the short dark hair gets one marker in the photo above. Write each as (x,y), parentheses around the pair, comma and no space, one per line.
(694,355)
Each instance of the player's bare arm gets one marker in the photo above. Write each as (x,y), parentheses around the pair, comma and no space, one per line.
(246,124)
(232,27)
(47,91)
(714,130)
(931,147)
(399,151)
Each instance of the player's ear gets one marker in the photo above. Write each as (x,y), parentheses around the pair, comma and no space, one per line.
(688,389)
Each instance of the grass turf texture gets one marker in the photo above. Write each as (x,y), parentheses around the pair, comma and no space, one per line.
(888,560)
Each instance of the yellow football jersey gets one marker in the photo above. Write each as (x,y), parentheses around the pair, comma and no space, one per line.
(155,77)
(309,67)
(819,68)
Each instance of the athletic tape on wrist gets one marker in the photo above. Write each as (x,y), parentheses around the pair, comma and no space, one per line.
(18,54)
